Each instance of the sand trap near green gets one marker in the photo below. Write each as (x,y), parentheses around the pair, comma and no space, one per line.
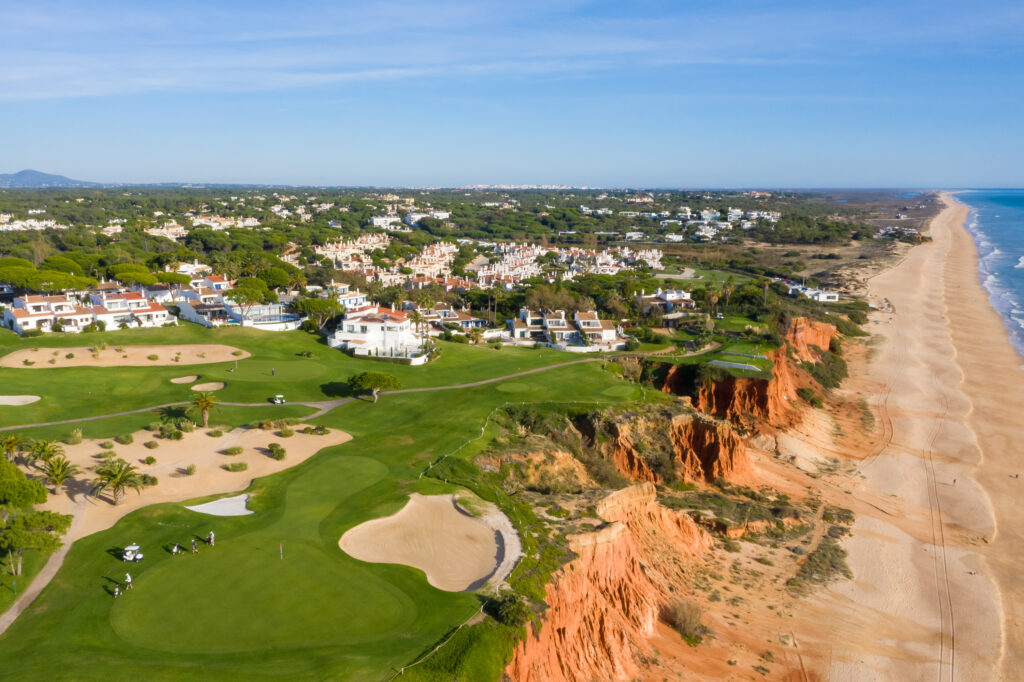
(209,386)
(185,380)
(122,356)
(431,533)
(18,400)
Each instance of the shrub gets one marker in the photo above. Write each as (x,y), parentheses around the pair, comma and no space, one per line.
(805,393)
(177,435)
(152,356)
(233,450)
(151,445)
(268,424)
(75,438)
(216,433)
(276,451)
(107,445)
(107,455)
(149,480)
(52,361)
(119,349)
(190,469)
(318,430)
(150,460)
(236,466)
(236,353)
(70,356)
(125,439)
(186,425)
(509,609)
(153,426)
(685,618)
(286,432)
(28,362)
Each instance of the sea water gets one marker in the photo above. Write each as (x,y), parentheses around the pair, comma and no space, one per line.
(996,221)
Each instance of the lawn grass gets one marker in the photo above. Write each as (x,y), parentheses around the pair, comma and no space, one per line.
(237,611)
(275,367)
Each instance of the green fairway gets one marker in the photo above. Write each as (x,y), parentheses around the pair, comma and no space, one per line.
(237,611)
(275,367)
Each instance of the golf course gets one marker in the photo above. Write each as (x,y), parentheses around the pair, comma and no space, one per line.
(276,596)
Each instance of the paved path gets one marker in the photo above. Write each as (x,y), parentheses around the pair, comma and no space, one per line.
(324,406)
(56,559)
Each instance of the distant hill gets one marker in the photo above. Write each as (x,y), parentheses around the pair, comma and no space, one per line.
(30,179)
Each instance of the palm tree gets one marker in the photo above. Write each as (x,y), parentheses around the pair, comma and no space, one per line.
(475,334)
(117,476)
(58,470)
(12,445)
(204,401)
(416,317)
(44,450)
(727,290)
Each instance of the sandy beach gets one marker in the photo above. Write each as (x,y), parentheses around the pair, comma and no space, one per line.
(935,554)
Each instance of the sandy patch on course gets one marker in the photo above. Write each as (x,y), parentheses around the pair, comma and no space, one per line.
(225,506)
(432,533)
(130,356)
(17,400)
(185,380)
(209,386)
(172,457)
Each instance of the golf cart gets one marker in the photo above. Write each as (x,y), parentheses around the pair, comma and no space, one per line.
(278,399)
(131,553)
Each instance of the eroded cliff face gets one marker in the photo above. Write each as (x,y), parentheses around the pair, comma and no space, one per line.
(604,604)
(804,333)
(701,449)
(741,399)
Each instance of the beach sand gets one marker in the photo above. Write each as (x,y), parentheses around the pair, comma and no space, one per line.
(936,551)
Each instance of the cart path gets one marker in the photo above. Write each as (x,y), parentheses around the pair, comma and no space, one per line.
(56,560)
(324,406)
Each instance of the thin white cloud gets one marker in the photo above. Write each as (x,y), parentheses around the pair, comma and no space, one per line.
(66,50)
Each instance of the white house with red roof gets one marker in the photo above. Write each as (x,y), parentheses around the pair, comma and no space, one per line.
(376,331)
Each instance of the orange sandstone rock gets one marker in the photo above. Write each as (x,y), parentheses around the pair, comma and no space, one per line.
(605,603)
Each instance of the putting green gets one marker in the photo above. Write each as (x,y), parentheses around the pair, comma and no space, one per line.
(241,597)
(515,387)
(622,391)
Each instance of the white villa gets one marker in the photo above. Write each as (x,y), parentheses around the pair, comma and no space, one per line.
(42,313)
(376,331)
(584,332)
(666,299)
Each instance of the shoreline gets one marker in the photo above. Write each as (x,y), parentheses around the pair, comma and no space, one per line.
(936,588)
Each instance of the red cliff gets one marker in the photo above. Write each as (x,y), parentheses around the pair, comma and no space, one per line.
(804,333)
(741,399)
(605,603)
(700,449)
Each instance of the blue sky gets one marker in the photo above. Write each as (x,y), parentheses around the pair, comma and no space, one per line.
(655,94)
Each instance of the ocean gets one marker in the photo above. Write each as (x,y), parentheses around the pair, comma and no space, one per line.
(996,221)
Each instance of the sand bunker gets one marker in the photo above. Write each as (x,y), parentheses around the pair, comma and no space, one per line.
(128,356)
(185,380)
(173,457)
(226,506)
(209,386)
(432,533)
(18,399)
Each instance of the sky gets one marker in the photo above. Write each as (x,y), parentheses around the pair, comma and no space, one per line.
(610,94)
